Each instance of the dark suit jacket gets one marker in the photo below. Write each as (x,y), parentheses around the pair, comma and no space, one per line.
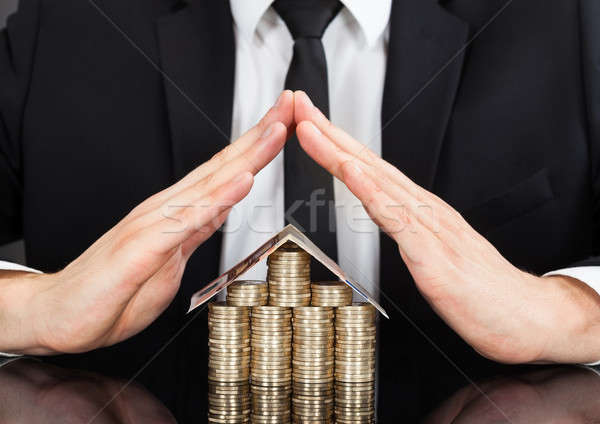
(506,129)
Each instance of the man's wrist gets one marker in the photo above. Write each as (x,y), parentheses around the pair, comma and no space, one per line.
(573,323)
(17,325)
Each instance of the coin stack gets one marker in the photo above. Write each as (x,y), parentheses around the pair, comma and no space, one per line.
(271,365)
(313,364)
(331,293)
(228,363)
(247,293)
(355,338)
(289,276)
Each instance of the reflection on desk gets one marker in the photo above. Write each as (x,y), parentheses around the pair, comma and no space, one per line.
(564,394)
(33,392)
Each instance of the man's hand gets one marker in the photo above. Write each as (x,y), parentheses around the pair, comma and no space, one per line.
(126,279)
(504,313)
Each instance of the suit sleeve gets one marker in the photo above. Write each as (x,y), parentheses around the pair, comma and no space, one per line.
(17,49)
(590,43)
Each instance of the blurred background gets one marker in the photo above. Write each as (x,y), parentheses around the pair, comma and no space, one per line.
(13,252)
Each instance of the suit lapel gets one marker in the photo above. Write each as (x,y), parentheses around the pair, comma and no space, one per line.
(197,52)
(422,78)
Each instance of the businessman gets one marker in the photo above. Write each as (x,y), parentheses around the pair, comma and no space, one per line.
(467,131)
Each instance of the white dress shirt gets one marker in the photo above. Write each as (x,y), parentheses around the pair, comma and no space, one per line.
(355,45)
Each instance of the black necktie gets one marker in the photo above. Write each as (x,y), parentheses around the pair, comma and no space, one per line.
(308,187)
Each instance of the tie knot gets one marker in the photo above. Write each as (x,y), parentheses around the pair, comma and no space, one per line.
(307,18)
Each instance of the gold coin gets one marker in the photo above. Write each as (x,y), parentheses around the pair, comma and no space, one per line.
(279,330)
(292,284)
(305,330)
(286,269)
(248,294)
(313,337)
(268,389)
(274,319)
(354,325)
(353,387)
(316,320)
(242,298)
(241,326)
(344,345)
(302,379)
(271,310)
(319,302)
(233,350)
(313,349)
(313,310)
(327,386)
(229,319)
(317,391)
(271,379)
(246,302)
(223,308)
(289,303)
(247,285)
(289,293)
(271,351)
(230,332)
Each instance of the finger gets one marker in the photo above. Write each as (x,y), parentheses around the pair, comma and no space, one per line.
(282,112)
(332,158)
(148,247)
(262,152)
(305,111)
(192,243)
(331,147)
(198,214)
(397,220)
(433,213)
(321,149)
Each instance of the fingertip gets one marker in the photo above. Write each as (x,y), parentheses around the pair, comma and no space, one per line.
(279,127)
(282,110)
(310,139)
(286,107)
(279,132)
(302,106)
(307,130)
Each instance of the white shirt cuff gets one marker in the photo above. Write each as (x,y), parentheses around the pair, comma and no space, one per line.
(589,275)
(9,266)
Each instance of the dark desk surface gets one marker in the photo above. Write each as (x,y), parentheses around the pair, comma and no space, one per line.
(429,389)
(38,392)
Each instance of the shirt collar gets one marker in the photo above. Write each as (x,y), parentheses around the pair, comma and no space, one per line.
(372,16)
